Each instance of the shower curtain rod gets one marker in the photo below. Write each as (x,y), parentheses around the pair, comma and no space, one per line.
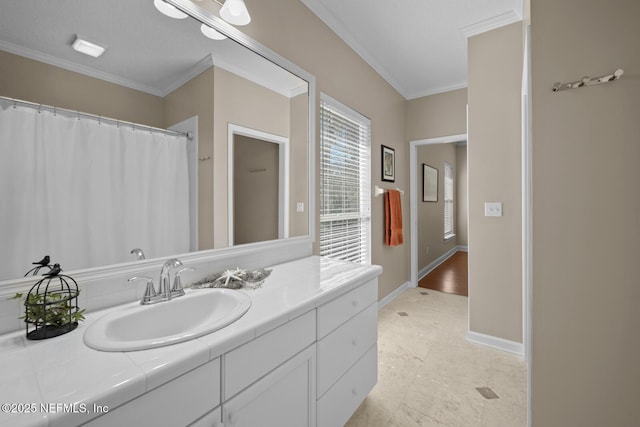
(99,119)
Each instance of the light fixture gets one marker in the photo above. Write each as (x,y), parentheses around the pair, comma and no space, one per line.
(211,33)
(82,45)
(168,9)
(235,12)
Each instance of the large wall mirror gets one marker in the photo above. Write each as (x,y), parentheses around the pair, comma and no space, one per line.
(169,142)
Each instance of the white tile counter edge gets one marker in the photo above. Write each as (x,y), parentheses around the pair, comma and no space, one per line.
(63,370)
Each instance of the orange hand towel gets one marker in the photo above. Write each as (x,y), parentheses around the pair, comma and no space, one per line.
(393,218)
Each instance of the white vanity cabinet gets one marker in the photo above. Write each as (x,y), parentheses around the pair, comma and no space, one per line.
(270,381)
(347,334)
(177,403)
(311,369)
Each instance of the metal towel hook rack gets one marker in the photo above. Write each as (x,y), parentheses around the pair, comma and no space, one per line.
(588,81)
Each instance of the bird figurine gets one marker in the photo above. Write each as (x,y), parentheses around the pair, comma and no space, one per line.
(43,262)
(54,271)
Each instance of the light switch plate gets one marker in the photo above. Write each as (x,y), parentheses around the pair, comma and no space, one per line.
(493,209)
(300,207)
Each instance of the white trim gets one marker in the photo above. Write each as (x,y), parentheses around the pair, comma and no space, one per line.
(462,248)
(497,21)
(393,295)
(77,68)
(413,197)
(283,176)
(527,217)
(436,263)
(440,89)
(495,342)
(201,66)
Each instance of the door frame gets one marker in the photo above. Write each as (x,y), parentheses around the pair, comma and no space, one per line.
(413,185)
(283,176)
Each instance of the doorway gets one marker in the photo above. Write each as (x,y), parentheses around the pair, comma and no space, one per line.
(258,182)
(445,246)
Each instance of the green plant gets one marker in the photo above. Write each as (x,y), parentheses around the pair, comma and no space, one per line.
(57,311)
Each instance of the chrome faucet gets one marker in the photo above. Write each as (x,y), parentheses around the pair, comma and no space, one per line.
(164,287)
(165,290)
(138,253)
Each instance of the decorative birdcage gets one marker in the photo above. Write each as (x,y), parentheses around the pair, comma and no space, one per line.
(51,306)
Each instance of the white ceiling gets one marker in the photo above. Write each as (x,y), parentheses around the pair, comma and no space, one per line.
(418,46)
(146,50)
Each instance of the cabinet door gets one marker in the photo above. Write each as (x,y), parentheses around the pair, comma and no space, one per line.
(211,419)
(284,398)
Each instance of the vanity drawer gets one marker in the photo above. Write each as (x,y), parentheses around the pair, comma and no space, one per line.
(338,311)
(342,400)
(339,350)
(251,361)
(197,391)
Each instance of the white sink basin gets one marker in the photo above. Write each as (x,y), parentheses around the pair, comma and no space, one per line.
(140,327)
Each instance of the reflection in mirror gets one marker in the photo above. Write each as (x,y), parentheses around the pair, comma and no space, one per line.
(87,190)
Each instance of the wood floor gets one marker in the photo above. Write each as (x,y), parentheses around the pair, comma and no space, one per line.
(451,276)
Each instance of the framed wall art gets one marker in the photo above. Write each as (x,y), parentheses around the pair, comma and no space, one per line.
(388,164)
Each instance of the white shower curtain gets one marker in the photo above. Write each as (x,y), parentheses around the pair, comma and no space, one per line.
(86,193)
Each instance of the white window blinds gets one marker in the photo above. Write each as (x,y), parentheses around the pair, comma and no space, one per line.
(345,183)
(448,200)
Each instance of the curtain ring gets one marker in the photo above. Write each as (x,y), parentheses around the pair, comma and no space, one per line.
(54,111)
(78,113)
(15,103)
(39,108)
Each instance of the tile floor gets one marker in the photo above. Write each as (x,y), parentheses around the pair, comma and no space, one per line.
(428,372)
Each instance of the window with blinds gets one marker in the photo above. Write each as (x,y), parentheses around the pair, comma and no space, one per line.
(448,200)
(345,183)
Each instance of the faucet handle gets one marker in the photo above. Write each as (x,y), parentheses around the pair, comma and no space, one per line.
(177,289)
(150,291)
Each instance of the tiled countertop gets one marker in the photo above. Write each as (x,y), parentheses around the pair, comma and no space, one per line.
(57,382)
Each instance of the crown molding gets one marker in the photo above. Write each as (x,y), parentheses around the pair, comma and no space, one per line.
(506,18)
(76,68)
(202,65)
(441,89)
(343,33)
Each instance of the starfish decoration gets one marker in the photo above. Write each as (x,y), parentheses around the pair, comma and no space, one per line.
(229,275)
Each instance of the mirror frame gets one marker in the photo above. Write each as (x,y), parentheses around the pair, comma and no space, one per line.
(11,286)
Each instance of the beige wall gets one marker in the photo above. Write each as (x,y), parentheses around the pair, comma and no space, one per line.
(586,157)
(299,166)
(293,31)
(462,212)
(494,159)
(431,243)
(35,81)
(195,98)
(241,102)
(437,115)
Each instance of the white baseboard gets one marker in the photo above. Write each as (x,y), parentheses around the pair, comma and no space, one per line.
(462,248)
(393,295)
(435,263)
(495,342)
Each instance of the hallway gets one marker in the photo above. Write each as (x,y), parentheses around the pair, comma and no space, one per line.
(452,276)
